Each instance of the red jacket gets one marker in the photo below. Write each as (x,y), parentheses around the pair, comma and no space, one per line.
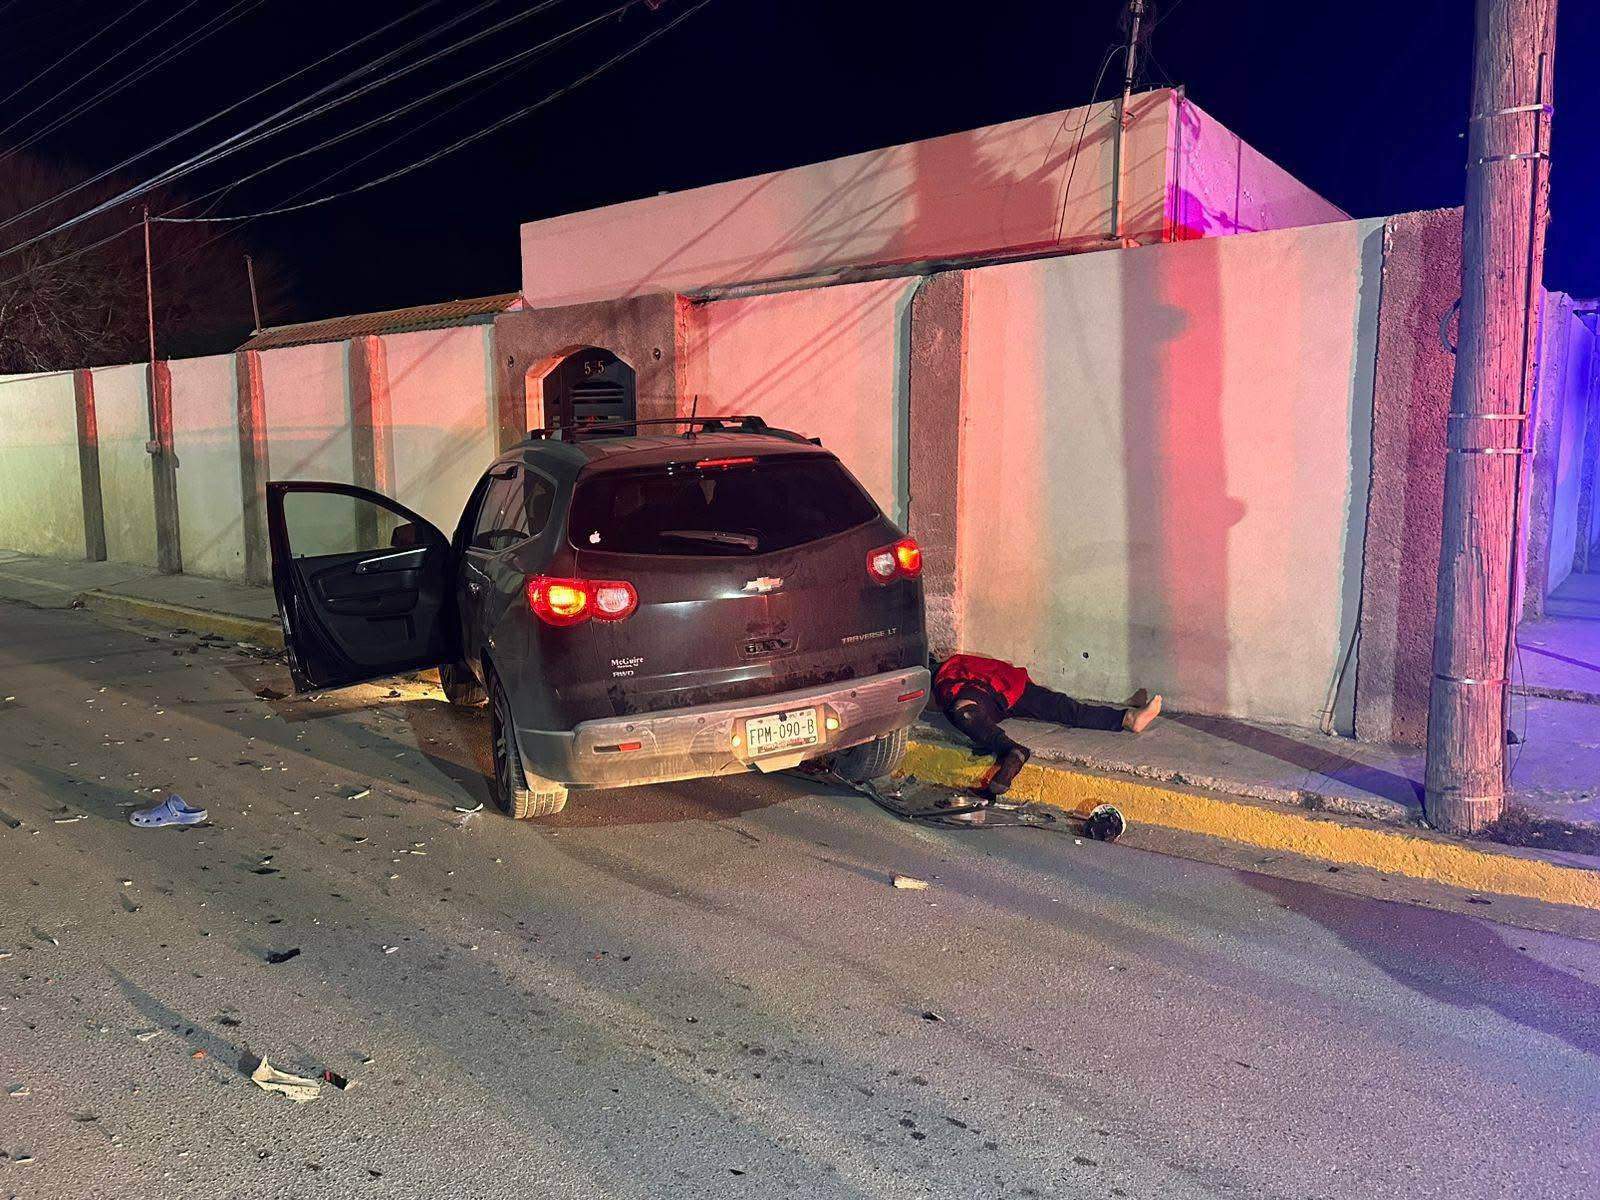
(1005,680)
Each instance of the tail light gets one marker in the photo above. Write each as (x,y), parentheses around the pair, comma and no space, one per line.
(563,602)
(902,560)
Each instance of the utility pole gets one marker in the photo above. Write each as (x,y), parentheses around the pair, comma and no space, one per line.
(1502,259)
(1130,58)
(255,305)
(163,459)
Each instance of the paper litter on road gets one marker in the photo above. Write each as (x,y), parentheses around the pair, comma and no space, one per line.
(298,1088)
(910,883)
(145,1035)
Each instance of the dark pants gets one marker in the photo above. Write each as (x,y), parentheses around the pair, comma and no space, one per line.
(977,712)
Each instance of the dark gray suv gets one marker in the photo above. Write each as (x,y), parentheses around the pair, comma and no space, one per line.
(637,603)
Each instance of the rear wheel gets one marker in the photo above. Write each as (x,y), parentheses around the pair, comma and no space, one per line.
(872,760)
(512,793)
(460,685)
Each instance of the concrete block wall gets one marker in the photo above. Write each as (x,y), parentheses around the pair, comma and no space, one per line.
(41,493)
(205,409)
(1163,467)
(122,412)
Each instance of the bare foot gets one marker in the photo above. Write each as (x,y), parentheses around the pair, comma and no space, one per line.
(1137,720)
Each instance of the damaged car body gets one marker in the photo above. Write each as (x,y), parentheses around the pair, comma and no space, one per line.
(636,604)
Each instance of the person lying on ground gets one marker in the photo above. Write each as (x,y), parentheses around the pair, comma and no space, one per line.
(978,693)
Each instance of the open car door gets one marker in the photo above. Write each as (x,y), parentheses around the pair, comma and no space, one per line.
(365,587)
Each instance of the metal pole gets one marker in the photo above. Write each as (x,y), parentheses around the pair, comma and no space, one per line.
(1502,256)
(150,304)
(1129,66)
(255,305)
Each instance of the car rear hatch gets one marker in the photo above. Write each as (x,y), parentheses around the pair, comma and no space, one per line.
(752,579)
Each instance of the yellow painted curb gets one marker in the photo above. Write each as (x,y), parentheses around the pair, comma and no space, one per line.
(181,616)
(1392,851)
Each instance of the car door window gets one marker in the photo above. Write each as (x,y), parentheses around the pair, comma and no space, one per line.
(336,523)
(499,520)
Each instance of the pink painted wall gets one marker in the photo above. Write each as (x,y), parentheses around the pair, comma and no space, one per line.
(1007,188)
(1163,468)
(825,362)
(1002,187)
(1221,185)
(205,434)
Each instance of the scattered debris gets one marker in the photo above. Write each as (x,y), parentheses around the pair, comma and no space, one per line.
(338,1080)
(265,871)
(70,820)
(20,1091)
(198,1055)
(360,794)
(171,811)
(478,807)
(269,693)
(230,1022)
(147,1035)
(281,956)
(1477,900)
(930,1015)
(390,949)
(298,1088)
(910,883)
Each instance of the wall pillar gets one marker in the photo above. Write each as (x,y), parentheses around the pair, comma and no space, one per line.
(936,365)
(94,514)
(510,391)
(253,465)
(371,429)
(164,471)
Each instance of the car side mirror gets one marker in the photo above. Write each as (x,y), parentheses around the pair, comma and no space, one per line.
(405,536)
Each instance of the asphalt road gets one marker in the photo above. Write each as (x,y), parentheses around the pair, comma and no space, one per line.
(698,990)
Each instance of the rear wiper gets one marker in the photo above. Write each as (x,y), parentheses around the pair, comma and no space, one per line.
(721,537)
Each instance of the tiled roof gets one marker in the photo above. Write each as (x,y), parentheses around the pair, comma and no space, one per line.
(480,311)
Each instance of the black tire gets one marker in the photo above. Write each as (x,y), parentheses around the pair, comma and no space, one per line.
(512,795)
(872,760)
(460,685)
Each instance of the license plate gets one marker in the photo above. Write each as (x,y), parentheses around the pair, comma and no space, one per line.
(781,731)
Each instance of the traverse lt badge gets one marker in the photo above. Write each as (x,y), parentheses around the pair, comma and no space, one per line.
(763,585)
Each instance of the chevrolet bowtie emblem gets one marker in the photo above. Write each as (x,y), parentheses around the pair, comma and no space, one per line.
(763,585)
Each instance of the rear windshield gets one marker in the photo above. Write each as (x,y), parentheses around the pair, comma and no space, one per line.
(740,509)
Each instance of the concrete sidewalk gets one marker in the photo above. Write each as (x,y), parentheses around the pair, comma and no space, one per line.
(1273,786)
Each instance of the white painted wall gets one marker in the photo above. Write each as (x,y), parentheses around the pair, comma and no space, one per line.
(205,435)
(825,362)
(1567,385)
(442,409)
(41,492)
(1164,463)
(122,412)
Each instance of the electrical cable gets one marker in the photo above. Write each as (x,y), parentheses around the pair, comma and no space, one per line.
(239,9)
(243,138)
(520,59)
(104,29)
(476,136)
(364,38)
(339,170)
(1088,109)
(78,253)
(112,57)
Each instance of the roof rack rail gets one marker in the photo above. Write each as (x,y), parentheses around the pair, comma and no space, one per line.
(625,427)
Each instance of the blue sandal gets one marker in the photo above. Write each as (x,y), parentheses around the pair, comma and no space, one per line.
(171,811)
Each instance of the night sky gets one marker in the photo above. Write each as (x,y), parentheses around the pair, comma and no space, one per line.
(1362,100)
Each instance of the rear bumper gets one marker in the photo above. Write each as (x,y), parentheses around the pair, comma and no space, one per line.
(692,743)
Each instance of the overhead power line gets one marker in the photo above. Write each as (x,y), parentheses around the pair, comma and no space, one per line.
(520,59)
(468,140)
(271,123)
(182,133)
(218,22)
(77,46)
